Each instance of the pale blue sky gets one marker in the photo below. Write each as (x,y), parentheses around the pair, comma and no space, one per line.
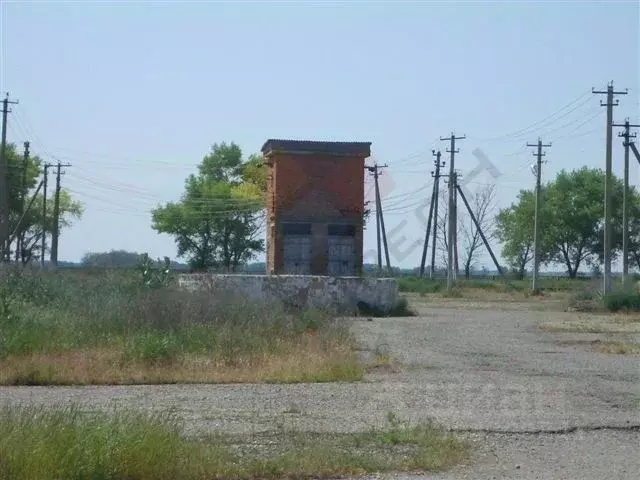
(133,94)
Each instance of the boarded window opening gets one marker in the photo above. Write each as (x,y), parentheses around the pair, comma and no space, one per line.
(297,248)
(296,228)
(342,251)
(342,230)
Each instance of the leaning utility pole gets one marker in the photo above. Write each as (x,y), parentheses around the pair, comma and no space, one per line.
(43,240)
(375,170)
(4,184)
(16,231)
(23,195)
(635,151)
(450,230)
(453,212)
(477,224)
(627,135)
(56,216)
(435,212)
(536,229)
(608,184)
(430,221)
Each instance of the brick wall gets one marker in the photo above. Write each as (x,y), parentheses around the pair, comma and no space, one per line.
(317,188)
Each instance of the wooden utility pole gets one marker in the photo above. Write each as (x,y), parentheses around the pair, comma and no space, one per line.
(536,222)
(453,211)
(56,216)
(627,135)
(430,221)
(4,184)
(376,172)
(378,243)
(450,230)
(435,212)
(23,195)
(608,184)
(43,240)
(373,170)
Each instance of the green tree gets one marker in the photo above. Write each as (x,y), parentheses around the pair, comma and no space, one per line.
(217,222)
(634,243)
(634,229)
(514,229)
(27,229)
(576,227)
(111,259)
(572,217)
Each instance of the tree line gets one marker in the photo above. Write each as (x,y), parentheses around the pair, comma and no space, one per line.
(218,221)
(572,223)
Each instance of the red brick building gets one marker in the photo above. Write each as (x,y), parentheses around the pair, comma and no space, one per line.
(315,207)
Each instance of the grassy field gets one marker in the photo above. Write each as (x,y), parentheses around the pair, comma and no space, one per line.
(64,442)
(427,285)
(581,294)
(111,328)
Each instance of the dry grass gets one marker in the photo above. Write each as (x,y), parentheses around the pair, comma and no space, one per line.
(580,327)
(618,348)
(593,323)
(382,361)
(323,361)
(383,364)
(111,329)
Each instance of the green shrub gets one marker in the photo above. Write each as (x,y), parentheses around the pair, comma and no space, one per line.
(419,285)
(399,309)
(153,324)
(584,301)
(152,347)
(617,301)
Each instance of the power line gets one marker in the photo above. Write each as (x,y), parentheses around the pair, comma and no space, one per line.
(526,130)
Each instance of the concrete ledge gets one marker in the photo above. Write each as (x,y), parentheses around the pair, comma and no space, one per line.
(336,294)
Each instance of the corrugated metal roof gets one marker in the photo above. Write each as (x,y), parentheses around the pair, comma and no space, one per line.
(311,146)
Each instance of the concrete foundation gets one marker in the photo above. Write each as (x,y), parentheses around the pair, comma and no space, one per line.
(336,294)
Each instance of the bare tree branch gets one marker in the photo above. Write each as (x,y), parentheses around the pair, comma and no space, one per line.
(482,204)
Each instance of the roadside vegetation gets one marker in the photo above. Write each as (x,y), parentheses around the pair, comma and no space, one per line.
(65,442)
(430,286)
(581,294)
(135,327)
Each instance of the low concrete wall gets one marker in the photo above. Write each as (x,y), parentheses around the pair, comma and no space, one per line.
(336,294)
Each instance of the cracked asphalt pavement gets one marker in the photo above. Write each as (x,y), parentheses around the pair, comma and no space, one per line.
(534,404)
